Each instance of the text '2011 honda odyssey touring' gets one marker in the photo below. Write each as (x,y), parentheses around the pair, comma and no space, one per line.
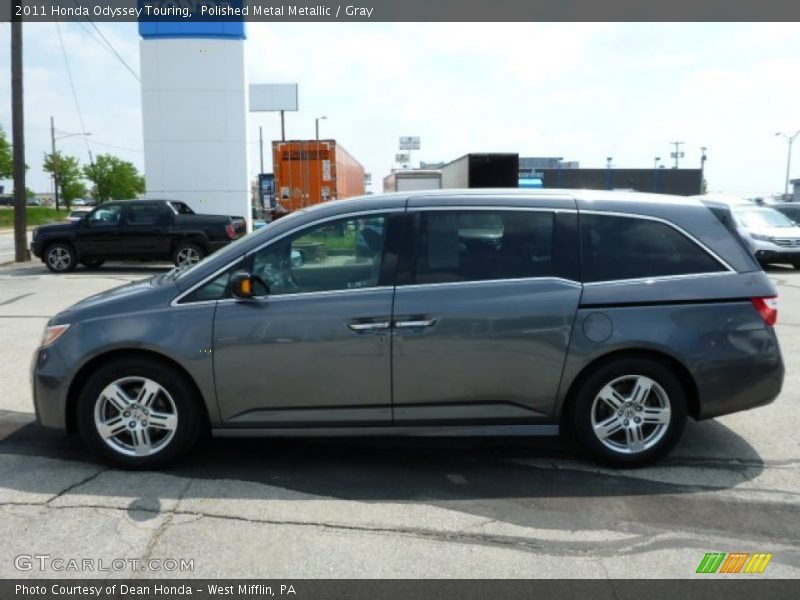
(478,312)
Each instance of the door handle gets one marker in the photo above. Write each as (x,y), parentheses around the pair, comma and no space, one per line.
(360,327)
(415,323)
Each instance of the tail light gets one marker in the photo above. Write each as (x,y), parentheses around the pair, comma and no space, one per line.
(230,231)
(767,308)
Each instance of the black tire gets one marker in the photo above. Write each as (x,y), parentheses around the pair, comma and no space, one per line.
(92,263)
(60,257)
(623,372)
(187,408)
(796,264)
(186,248)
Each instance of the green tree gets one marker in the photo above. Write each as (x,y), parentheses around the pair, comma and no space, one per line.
(67,172)
(113,178)
(6,157)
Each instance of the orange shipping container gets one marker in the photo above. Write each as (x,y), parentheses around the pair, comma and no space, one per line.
(310,172)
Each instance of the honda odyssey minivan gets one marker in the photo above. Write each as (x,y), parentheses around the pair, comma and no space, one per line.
(474,312)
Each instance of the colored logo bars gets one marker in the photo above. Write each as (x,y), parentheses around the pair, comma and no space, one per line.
(741,562)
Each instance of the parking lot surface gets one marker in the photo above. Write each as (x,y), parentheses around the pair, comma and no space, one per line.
(389,508)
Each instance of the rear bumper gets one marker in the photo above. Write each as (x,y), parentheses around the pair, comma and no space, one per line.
(742,384)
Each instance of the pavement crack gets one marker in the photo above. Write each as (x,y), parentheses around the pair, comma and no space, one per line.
(83,481)
(170,515)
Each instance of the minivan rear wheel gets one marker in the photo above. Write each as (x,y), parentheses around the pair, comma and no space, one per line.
(630,412)
(138,413)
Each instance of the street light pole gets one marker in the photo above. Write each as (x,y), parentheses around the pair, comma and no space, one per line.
(703,159)
(54,158)
(655,173)
(316,123)
(608,171)
(789,140)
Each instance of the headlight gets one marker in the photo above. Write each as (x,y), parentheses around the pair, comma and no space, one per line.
(52,333)
(761,237)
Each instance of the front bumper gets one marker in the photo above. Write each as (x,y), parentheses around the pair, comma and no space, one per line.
(36,249)
(766,251)
(50,381)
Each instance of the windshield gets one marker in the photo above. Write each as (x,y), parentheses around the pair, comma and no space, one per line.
(761,218)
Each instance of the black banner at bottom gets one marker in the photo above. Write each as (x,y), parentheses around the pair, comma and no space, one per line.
(374,589)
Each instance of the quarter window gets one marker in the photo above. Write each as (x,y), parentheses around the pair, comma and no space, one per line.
(337,255)
(631,248)
(480,245)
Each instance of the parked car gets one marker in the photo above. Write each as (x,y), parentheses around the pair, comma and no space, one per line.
(772,235)
(138,230)
(479,312)
(77,215)
(84,202)
(789,209)
(34,202)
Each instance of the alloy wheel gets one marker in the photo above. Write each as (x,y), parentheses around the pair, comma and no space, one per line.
(631,414)
(135,416)
(187,256)
(59,258)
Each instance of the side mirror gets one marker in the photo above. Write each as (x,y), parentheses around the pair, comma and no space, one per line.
(246,287)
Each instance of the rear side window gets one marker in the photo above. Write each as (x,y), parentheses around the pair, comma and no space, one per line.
(143,214)
(480,245)
(631,248)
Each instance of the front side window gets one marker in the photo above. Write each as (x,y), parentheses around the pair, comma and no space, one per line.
(478,245)
(106,215)
(336,255)
(616,248)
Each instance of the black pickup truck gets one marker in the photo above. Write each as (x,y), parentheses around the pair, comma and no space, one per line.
(140,230)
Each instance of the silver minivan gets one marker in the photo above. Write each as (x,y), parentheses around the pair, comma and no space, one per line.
(456,312)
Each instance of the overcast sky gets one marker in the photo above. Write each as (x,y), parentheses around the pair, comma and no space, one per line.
(580,91)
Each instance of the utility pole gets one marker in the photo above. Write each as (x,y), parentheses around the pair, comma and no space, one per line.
(54,159)
(677,155)
(18,139)
(283,130)
(789,140)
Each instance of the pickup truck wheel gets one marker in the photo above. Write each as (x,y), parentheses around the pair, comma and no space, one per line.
(630,412)
(92,264)
(187,255)
(138,413)
(60,258)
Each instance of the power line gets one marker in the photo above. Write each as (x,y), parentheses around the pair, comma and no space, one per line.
(110,46)
(74,93)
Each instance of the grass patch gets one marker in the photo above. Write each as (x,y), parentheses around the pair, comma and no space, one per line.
(37,215)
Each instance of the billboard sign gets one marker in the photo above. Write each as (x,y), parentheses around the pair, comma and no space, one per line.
(402,157)
(409,143)
(272,97)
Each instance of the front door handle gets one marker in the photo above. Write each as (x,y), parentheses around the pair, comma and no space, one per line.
(415,323)
(361,327)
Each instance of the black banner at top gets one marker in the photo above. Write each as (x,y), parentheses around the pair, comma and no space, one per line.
(192,11)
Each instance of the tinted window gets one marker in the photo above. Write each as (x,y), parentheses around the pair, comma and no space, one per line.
(143,214)
(630,248)
(216,289)
(337,255)
(106,215)
(480,245)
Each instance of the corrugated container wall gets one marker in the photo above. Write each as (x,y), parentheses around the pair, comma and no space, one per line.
(308,172)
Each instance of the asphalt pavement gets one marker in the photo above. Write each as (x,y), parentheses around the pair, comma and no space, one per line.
(389,508)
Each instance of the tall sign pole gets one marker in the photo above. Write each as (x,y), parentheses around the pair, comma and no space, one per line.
(18,139)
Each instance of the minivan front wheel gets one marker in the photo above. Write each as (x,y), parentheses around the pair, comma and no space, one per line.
(630,412)
(138,413)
